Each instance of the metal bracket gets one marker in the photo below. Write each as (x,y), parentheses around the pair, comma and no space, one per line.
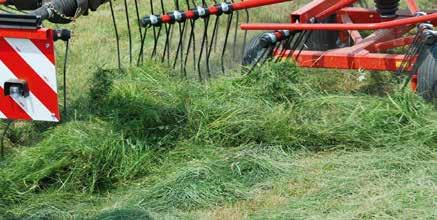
(20,21)
(16,87)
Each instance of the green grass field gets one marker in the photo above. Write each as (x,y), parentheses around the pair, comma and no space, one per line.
(281,143)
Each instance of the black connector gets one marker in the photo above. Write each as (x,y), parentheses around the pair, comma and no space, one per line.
(61,34)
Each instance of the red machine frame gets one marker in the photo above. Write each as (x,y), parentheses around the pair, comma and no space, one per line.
(366,52)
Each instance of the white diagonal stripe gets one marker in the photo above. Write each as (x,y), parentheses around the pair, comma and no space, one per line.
(36,59)
(2,116)
(31,104)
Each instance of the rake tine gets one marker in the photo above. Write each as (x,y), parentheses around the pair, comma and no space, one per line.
(213,41)
(167,42)
(117,37)
(167,33)
(296,43)
(137,11)
(410,52)
(194,41)
(202,47)
(129,32)
(285,45)
(180,42)
(228,27)
(141,55)
(245,33)
(190,41)
(216,36)
(269,50)
(307,37)
(179,48)
(237,21)
(156,34)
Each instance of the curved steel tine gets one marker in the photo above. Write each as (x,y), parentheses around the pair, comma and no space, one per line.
(286,45)
(245,32)
(261,57)
(190,41)
(194,42)
(212,43)
(167,33)
(307,37)
(155,34)
(141,54)
(117,37)
(296,44)
(202,45)
(129,32)
(137,11)
(181,28)
(237,21)
(228,27)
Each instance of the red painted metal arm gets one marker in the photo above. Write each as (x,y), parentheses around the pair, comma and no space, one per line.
(255,3)
(214,10)
(331,10)
(343,27)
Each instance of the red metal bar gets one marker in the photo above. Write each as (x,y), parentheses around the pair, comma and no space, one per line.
(340,27)
(213,10)
(355,35)
(412,5)
(38,34)
(364,15)
(383,46)
(255,3)
(331,10)
(310,10)
(320,59)
(377,37)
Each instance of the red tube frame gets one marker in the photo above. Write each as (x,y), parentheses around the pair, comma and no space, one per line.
(213,10)
(389,33)
(343,27)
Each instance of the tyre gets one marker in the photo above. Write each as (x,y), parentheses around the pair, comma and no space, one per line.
(427,74)
(256,51)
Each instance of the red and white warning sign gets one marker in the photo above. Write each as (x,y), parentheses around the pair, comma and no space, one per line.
(28,87)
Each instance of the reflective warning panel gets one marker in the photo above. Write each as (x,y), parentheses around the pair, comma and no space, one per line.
(28,87)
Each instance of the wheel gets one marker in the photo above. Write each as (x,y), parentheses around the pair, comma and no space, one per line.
(427,74)
(256,51)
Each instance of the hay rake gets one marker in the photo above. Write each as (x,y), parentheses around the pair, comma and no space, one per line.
(210,37)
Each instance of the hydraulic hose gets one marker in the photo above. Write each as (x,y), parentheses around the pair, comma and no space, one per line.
(65,11)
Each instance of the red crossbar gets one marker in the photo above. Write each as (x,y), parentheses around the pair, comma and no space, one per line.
(342,27)
(38,34)
(321,59)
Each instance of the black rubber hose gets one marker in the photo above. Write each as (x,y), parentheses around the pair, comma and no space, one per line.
(63,11)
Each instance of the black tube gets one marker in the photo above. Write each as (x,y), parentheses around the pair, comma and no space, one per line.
(64,11)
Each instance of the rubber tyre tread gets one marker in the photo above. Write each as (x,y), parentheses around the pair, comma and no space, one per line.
(427,74)
(251,51)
